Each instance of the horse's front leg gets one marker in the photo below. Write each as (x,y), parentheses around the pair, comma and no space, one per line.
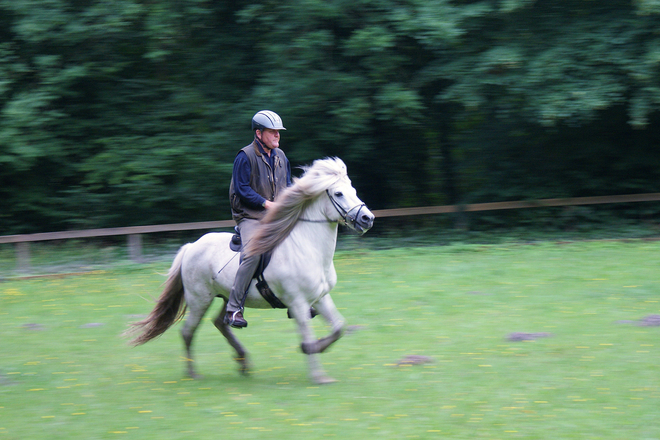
(300,312)
(326,308)
(310,345)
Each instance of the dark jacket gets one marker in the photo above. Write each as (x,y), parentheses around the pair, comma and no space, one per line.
(265,180)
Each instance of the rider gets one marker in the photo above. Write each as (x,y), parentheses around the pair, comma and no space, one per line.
(261,171)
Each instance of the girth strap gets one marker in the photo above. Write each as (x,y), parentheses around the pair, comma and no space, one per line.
(268,295)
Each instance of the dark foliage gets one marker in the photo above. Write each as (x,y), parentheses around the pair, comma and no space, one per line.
(130,112)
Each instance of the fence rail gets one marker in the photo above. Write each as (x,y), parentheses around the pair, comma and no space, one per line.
(446,209)
(129,230)
(134,233)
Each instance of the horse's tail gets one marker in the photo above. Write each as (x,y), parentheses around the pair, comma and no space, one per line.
(169,308)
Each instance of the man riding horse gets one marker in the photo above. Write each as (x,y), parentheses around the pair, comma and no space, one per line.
(261,171)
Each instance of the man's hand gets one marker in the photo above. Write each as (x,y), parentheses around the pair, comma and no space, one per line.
(268,204)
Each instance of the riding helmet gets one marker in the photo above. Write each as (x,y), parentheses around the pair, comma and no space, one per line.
(267,119)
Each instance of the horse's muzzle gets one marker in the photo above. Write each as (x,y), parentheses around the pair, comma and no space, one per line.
(364,220)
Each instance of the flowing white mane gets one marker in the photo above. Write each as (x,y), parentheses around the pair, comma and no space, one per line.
(290,205)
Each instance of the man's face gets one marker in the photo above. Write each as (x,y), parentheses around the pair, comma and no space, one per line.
(270,138)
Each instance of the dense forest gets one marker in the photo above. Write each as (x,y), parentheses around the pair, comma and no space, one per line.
(130,112)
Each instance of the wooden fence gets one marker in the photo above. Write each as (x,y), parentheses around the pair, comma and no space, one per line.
(134,233)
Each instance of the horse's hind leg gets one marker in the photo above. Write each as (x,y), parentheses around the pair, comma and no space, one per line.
(241,353)
(196,310)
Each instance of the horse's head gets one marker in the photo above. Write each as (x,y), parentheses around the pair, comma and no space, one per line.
(347,207)
(324,190)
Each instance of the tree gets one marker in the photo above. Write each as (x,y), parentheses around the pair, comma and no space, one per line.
(128,112)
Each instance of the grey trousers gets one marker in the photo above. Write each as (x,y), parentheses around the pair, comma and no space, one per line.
(247,227)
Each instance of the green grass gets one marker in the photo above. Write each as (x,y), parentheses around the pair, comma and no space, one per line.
(65,372)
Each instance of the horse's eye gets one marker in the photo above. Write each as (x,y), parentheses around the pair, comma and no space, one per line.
(339,194)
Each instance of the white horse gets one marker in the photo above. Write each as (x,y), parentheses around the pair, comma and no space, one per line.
(301,232)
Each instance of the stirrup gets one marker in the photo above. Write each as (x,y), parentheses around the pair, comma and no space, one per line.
(233,322)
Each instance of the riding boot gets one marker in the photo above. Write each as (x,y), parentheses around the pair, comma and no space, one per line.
(234,315)
(235,319)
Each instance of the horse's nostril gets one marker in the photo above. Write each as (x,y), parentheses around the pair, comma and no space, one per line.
(367,220)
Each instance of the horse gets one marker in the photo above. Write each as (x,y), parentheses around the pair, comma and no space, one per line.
(300,232)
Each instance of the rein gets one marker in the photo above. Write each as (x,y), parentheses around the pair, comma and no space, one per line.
(316,221)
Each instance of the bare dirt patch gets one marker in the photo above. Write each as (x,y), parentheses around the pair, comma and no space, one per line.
(521,336)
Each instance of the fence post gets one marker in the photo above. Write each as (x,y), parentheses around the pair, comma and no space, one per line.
(135,247)
(23,256)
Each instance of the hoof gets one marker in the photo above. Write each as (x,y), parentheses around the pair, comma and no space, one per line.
(243,366)
(324,380)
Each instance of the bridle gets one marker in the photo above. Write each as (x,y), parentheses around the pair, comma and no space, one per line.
(345,215)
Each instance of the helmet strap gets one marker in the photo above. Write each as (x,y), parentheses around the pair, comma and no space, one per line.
(261,144)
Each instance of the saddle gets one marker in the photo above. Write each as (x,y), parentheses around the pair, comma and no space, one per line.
(262,286)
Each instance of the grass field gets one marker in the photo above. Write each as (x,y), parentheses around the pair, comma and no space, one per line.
(588,370)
